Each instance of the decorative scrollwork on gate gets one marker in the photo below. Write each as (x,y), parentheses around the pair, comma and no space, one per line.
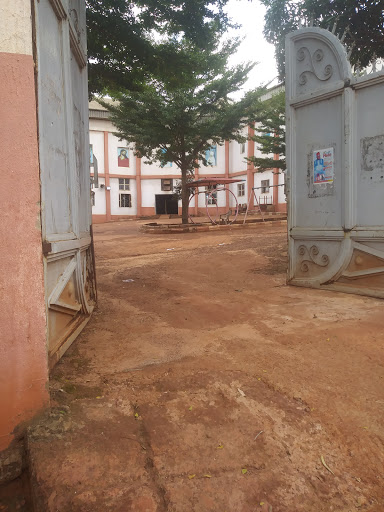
(311,255)
(316,57)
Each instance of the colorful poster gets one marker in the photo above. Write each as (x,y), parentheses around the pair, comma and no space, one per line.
(211,156)
(323,166)
(122,157)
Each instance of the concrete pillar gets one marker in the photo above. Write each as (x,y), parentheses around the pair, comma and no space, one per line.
(250,165)
(23,351)
(138,186)
(107,182)
(226,149)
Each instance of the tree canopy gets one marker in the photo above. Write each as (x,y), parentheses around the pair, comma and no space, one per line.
(122,51)
(270,133)
(179,114)
(361,20)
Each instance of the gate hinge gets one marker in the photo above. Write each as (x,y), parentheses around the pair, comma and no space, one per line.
(47,247)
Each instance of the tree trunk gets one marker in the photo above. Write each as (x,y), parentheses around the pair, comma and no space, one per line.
(184,196)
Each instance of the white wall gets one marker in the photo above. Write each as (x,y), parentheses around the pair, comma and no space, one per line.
(115,192)
(16,27)
(155,169)
(236,158)
(100,207)
(101,125)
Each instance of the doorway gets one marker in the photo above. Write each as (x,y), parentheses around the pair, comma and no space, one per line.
(166,204)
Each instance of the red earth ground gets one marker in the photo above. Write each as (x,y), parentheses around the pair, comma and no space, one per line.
(204,383)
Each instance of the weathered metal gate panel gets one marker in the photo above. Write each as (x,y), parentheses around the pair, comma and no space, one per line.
(64,163)
(335,167)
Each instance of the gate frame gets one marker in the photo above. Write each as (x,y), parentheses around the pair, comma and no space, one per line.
(350,235)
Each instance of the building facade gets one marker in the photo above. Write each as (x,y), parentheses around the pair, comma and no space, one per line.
(131,188)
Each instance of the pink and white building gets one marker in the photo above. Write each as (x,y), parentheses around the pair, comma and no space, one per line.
(131,188)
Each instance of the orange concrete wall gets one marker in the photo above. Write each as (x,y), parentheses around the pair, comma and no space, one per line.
(23,353)
(281,208)
(99,219)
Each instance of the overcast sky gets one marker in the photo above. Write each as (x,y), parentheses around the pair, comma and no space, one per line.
(250,14)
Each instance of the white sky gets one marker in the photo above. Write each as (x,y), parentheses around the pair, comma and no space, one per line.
(250,14)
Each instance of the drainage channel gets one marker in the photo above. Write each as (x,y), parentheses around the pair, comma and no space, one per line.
(15,496)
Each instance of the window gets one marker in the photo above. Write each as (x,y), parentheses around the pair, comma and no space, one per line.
(241,189)
(123,184)
(167,185)
(242,148)
(92,198)
(125,201)
(211,199)
(264,186)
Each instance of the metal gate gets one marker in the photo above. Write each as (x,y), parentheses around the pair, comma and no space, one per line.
(335,167)
(64,165)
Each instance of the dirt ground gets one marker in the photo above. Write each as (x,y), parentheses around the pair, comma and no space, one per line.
(204,383)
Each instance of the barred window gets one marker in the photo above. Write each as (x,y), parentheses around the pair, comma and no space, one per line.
(125,201)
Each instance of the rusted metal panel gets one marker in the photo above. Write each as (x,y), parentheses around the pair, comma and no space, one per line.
(64,166)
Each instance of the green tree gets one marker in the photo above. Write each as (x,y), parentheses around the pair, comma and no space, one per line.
(186,108)
(121,50)
(362,21)
(270,133)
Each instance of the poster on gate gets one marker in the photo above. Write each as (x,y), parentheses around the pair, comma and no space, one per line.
(323,166)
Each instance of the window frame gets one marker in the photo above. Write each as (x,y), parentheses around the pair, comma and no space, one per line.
(129,200)
(240,189)
(265,186)
(210,198)
(164,185)
(126,182)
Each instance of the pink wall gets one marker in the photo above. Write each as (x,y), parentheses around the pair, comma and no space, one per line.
(23,353)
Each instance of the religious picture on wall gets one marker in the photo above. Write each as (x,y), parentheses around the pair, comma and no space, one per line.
(91,154)
(211,156)
(167,164)
(123,157)
(323,166)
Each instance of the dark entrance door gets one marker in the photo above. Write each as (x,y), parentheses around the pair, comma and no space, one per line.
(166,205)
